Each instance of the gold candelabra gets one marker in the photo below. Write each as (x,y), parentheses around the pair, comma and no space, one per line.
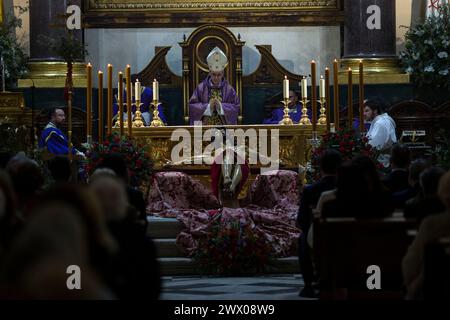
(119,119)
(305,121)
(287,121)
(138,122)
(157,122)
(323,117)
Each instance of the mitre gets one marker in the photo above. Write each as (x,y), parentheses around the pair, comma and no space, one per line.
(217,60)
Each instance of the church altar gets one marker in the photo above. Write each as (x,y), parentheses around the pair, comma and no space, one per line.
(294,146)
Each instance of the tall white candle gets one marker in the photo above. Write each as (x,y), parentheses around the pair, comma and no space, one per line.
(286,88)
(137,90)
(304,88)
(322,87)
(155,90)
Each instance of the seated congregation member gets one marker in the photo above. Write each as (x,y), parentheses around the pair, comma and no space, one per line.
(398,179)
(59,168)
(134,271)
(35,267)
(427,202)
(52,138)
(214,101)
(415,170)
(116,163)
(431,230)
(10,222)
(28,181)
(295,110)
(381,134)
(359,194)
(329,163)
(146,108)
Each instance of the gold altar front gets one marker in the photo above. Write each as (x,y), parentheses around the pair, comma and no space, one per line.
(294,147)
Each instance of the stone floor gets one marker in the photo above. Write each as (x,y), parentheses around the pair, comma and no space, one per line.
(279,287)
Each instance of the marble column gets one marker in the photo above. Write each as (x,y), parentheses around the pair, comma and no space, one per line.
(370,35)
(48,18)
(360,41)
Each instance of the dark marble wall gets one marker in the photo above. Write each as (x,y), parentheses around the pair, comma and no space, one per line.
(359,40)
(47,17)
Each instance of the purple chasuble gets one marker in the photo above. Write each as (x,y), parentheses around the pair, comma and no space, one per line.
(202,95)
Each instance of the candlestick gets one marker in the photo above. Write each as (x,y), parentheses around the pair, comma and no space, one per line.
(336,94)
(285,88)
(287,121)
(305,121)
(323,117)
(313,95)
(361,97)
(138,122)
(100,106)
(119,121)
(129,114)
(327,98)
(157,122)
(350,99)
(89,104)
(110,100)
(155,90)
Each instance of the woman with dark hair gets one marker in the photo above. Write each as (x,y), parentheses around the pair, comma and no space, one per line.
(359,193)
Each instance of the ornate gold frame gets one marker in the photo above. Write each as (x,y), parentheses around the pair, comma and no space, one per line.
(176,13)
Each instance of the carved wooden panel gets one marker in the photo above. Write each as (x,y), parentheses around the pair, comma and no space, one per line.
(158,69)
(269,71)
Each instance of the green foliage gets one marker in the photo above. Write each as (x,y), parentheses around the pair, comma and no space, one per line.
(14,57)
(69,48)
(427,51)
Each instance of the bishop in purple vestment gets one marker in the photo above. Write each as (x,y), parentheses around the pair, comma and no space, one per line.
(214,101)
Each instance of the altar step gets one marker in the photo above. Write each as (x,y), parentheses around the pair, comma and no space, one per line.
(172,260)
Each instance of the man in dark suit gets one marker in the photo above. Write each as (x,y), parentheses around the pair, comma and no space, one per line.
(329,163)
(398,179)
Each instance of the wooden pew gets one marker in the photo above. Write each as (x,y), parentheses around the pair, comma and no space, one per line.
(437,270)
(344,248)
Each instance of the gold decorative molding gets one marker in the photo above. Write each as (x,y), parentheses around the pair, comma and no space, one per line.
(184,5)
(177,13)
(293,146)
(52,74)
(12,108)
(376,71)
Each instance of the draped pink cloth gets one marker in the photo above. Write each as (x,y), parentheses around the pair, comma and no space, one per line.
(273,208)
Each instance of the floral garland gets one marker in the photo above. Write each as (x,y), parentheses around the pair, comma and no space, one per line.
(348,143)
(140,165)
(427,50)
(232,248)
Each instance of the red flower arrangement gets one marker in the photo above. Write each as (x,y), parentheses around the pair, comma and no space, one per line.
(348,143)
(232,248)
(140,165)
